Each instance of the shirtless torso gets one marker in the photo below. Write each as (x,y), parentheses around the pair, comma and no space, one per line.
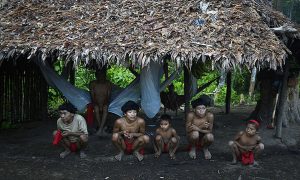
(166,140)
(129,131)
(246,141)
(199,132)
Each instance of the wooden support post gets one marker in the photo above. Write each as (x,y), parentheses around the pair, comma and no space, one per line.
(72,76)
(166,69)
(187,85)
(282,101)
(228,93)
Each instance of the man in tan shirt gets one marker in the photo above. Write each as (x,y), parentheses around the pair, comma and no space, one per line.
(72,129)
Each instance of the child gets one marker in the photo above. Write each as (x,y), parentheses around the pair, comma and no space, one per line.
(246,144)
(166,138)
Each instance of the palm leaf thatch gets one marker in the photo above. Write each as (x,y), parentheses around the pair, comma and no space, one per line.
(230,33)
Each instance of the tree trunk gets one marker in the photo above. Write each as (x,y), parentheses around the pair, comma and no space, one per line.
(252,81)
(292,104)
(281,118)
(265,105)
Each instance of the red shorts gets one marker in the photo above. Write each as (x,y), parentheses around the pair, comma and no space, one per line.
(198,146)
(129,147)
(247,158)
(166,147)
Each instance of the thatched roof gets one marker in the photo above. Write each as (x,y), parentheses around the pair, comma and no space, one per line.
(230,33)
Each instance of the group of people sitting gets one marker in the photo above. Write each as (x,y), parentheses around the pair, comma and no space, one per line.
(129,134)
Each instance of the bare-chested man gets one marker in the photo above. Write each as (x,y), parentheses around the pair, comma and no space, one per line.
(246,144)
(166,138)
(199,125)
(71,131)
(129,132)
(100,93)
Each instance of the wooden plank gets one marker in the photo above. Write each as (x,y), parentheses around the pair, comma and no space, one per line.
(228,93)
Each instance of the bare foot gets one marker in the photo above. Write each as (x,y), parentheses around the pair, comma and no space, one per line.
(192,153)
(172,155)
(82,154)
(207,154)
(64,154)
(102,134)
(119,156)
(255,163)
(139,156)
(157,154)
(233,162)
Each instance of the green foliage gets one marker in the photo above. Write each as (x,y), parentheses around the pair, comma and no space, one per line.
(8,125)
(241,81)
(83,77)
(120,76)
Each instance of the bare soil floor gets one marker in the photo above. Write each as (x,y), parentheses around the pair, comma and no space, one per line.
(27,153)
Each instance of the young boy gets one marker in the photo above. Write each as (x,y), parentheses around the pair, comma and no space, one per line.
(199,127)
(246,144)
(166,138)
(129,132)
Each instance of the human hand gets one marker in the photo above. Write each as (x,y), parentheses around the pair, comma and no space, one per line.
(130,135)
(127,134)
(206,125)
(194,128)
(65,133)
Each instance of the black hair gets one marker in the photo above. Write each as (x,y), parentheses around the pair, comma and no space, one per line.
(165,117)
(202,100)
(130,105)
(69,107)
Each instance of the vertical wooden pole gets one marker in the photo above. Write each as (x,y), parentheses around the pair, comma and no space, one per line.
(72,76)
(228,93)
(187,85)
(282,101)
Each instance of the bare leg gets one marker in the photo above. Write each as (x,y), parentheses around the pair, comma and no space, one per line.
(193,138)
(104,113)
(66,144)
(235,151)
(173,145)
(158,145)
(207,140)
(98,117)
(118,141)
(138,144)
(260,147)
(82,144)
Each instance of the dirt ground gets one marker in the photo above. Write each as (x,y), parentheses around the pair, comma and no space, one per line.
(27,153)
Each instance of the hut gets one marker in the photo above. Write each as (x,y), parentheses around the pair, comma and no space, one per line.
(228,34)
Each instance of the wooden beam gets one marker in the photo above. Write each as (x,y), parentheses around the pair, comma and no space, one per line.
(187,84)
(228,93)
(282,101)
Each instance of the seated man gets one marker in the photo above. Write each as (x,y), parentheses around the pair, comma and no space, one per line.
(246,144)
(199,125)
(166,139)
(129,132)
(71,131)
